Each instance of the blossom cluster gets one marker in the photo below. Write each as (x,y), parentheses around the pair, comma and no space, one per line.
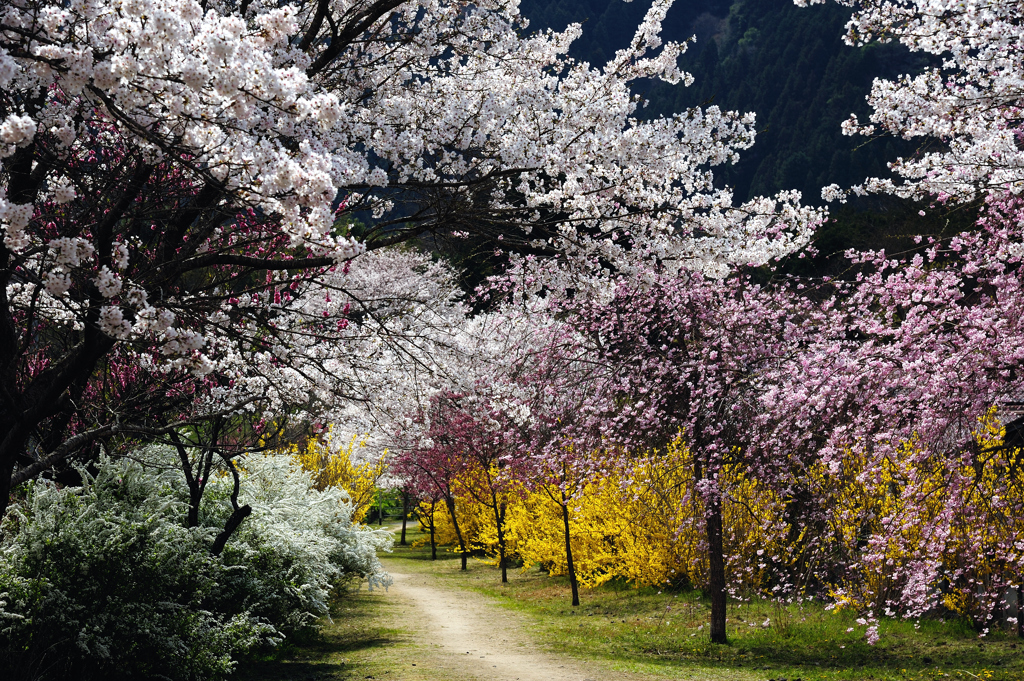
(970,102)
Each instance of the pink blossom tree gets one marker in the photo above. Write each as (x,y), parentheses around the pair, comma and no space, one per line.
(937,346)
(688,356)
(433,459)
(932,339)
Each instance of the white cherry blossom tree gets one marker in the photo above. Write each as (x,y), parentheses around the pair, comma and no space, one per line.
(179,180)
(965,110)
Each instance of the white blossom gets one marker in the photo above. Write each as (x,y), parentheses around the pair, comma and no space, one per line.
(57,283)
(970,103)
(108,282)
(64,193)
(17,130)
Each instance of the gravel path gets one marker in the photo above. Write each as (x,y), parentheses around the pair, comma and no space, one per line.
(471,637)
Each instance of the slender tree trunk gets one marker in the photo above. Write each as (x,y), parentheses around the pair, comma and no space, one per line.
(716,571)
(405,514)
(568,552)
(716,557)
(239,513)
(196,481)
(380,512)
(195,498)
(433,543)
(458,532)
(499,520)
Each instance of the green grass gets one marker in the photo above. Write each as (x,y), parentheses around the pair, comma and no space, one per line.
(665,634)
(358,641)
(653,634)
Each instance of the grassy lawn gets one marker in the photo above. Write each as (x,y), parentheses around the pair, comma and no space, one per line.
(660,634)
(359,641)
(664,634)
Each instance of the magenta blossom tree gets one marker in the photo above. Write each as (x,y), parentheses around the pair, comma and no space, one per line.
(688,357)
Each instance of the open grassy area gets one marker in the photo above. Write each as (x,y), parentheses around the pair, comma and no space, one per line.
(664,634)
(358,641)
(652,633)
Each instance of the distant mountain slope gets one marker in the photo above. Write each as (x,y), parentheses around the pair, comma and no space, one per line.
(789,65)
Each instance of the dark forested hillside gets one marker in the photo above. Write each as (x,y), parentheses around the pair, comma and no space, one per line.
(791,67)
(787,64)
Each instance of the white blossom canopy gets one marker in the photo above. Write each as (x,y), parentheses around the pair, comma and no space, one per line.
(176,175)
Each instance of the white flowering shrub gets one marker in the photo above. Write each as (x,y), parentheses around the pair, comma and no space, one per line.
(298,543)
(105,580)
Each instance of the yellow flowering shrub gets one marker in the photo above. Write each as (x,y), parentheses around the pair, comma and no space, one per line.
(476,522)
(334,467)
(939,525)
(896,535)
(642,523)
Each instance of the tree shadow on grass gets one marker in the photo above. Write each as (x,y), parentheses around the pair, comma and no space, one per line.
(315,660)
(421,554)
(290,670)
(353,627)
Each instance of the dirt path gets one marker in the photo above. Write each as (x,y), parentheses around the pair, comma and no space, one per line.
(469,636)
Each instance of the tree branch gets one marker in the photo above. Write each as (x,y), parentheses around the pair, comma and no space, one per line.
(73,443)
(359,23)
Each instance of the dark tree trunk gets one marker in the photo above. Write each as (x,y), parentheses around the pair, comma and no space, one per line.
(716,571)
(499,519)
(568,552)
(23,411)
(195,498)
(239,514)
(234,521)
(716,557)
(450,503)
(13,439)
(405,514)
(433,542)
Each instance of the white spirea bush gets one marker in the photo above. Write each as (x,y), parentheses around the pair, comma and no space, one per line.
(105,580)
(301,542)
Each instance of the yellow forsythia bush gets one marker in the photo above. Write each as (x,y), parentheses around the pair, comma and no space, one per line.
(474,521)
(643,524)
(952,514)
(333,466)
(876,534)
